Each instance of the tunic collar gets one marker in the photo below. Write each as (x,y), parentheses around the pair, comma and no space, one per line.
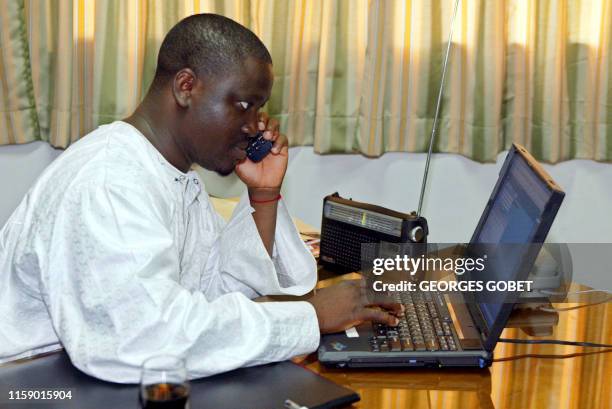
(190,182)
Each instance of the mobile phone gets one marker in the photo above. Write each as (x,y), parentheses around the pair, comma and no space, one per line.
(258,147)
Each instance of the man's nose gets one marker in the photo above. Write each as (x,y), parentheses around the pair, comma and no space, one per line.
(251,127)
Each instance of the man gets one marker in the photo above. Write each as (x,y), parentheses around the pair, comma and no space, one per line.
(117,254)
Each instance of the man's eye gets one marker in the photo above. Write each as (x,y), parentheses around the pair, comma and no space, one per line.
(244,105)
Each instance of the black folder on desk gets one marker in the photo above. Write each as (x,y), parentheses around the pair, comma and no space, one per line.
(262,387)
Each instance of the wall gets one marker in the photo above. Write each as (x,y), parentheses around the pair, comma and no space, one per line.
(458,189)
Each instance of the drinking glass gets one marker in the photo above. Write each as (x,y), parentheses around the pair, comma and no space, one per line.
(164,384)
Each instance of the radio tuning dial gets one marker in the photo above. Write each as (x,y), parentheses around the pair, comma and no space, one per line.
(416,234)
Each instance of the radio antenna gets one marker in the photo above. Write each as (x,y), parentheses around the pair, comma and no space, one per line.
(435,122)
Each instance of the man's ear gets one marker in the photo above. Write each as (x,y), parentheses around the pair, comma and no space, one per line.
(184,82)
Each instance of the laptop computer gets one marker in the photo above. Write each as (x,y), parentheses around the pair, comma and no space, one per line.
(461,329)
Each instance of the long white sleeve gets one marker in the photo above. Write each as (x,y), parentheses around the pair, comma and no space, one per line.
(111,281)
(243,263)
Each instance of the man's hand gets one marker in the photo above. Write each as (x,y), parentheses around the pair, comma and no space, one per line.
(269,173)
(344,305)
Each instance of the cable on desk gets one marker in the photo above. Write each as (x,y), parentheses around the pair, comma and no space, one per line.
(554,342)
(550,356)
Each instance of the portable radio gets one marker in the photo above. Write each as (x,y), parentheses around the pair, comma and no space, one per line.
(348,224)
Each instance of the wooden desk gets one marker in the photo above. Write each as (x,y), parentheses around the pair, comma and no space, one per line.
(578,382)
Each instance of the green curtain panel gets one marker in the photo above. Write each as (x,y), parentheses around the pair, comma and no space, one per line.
(18,119)
(352,76)
(534,72)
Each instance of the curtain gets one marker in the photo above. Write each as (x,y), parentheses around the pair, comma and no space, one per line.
(318,48)
(533,72)
(558,98)
(18,122)
(407,42)
(351,76)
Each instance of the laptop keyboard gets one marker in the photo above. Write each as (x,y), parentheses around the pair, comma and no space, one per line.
(425,326)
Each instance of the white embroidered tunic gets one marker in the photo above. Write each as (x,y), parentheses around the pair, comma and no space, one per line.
(117,256)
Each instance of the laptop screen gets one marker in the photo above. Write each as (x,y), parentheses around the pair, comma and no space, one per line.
(513,215)
(517,207)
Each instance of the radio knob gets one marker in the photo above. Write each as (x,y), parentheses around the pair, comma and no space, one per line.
(416,234)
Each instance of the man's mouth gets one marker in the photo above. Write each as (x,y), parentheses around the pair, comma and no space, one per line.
(243,145)
(241,152)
